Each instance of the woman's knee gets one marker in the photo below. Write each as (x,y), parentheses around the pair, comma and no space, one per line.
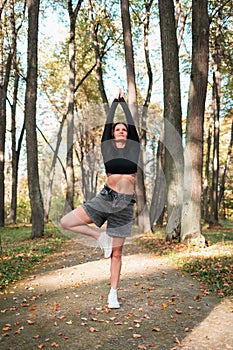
(64,223)
(117,253)
(116,256)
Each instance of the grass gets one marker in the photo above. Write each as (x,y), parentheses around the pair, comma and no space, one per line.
(212,266)
(20,254)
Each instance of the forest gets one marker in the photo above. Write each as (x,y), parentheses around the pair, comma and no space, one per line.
(61,65)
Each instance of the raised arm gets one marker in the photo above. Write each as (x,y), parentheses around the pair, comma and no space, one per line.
(107,133)
(132,131)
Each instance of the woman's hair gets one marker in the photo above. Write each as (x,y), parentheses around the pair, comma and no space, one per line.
(115,124)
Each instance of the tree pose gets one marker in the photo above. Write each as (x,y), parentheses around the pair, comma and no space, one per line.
(114,204)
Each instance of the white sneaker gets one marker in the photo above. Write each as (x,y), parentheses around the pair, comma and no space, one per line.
(112,299)
(105,243)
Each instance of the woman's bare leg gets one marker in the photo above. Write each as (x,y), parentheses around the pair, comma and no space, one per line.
(116,261)
(115,269)
(78,221)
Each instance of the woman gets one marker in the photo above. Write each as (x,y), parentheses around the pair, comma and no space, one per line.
(114,204)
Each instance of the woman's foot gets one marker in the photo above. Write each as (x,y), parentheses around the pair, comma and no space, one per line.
(112,299)
(105,243)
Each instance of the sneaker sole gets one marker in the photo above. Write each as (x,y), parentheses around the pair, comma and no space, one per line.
(113,306)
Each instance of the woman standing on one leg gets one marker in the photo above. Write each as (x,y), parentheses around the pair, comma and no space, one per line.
(115,202)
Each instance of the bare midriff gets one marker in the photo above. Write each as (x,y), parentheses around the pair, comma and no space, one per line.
(121,183)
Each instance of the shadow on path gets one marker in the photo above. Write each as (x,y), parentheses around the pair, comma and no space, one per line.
(63,305)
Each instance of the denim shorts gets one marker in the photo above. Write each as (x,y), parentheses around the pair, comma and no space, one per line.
(115,208)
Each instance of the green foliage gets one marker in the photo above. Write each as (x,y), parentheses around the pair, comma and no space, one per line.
(24,211)
(212,265)
(214,273)
(20,254)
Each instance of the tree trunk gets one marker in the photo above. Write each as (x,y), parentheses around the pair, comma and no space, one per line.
(207,165)
(2,122)
(213,216)
(142,208)
(174,163)
(15,152)
(145,222)
(14,180)
(191,215)
(226,167)
(2,155)
(15,168)
(37,212)
(217,54)
(69,203)
(4,81)
(160,191)
(88,155)
(52,172)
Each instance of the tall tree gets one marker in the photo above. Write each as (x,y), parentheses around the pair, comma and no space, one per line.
(37,211)
(191,214)
(5,68)
(73,13)
(221,66)
(157,208)
(226,168)
(217,57)
(174,165)
(145,217)
(207,169)
(142,209)
(15,147)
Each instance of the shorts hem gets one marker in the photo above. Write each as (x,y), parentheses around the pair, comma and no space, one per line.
(118,236)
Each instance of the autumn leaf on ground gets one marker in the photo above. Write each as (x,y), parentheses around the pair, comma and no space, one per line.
(150,303)
(178,342)
(14,308)
(54,344)
(137,321)
(62,318)
(156,329)
(69,322)
(112,318)
(136,335)
(179,312)
(32,308)
(92,330)
(30,322)
(143,347)
(163,306)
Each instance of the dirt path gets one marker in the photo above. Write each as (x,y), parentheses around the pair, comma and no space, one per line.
(63,305)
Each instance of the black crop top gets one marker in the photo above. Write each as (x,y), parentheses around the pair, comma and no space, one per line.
(120,160)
